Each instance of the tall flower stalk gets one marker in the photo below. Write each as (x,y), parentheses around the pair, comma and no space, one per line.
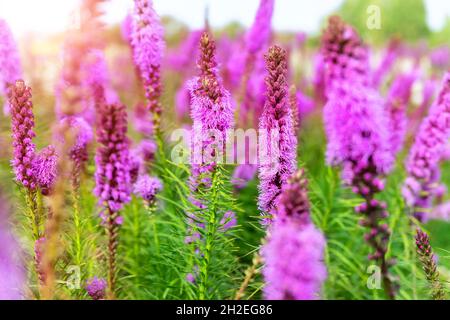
(277,142)
(429,265)
(22,125)
(112,176)
(212,113)
(357,133)
(426,154)
(294,252)
(256,39)
(148,46)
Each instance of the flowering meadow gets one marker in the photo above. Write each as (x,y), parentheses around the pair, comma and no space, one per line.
(147,160)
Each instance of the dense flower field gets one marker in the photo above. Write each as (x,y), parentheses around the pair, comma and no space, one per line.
(200,164)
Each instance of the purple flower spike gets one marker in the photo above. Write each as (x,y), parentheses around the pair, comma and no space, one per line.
(357,131)
(112,173)
(396,106)
(45,169)
(426,153)
(22,123)
(278,145)
(294,252)
(96,288)
(148,46)
(260,31)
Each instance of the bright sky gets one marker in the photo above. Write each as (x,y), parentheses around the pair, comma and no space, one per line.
(47,16)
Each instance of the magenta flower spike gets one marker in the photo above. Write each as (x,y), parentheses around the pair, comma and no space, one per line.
(426,153)
(260,32)
(22,123)
(396,106)
(148,46)
(112,176)
(112,158)
(10,65)
(357,132)
(278,142)
(293,235)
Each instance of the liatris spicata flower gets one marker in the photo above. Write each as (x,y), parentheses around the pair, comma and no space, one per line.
(243,174)
(345,57)
(211,107)
(142,121)
(260,31)
(426,153)
(10,67)
(112,175)
(22,123)
(45,170)
(428,261)
(12,275)
(396,106)
(294,252)
(147,187)
(357,130)
(278,143)
(440,57)
(180,59)
(148,46)
(386,63)
(96,288)
(83,135)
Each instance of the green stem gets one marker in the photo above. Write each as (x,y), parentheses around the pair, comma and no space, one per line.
(211,228)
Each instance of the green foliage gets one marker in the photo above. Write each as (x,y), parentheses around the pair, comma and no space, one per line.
(406,20)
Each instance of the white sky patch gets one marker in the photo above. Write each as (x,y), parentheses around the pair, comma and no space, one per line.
(51,16)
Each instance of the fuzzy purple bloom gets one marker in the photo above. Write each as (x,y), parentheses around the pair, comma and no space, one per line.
(293,235)
(293,262)
(147,187)
(260,31)
(112,173)
(142,121)
(10,66)
(180,59)
(355,121)
(396,107)
(96,288)
(243,174)
(426,153)
(440,57)
(147,37)
(182,101)
(45,169)
(22,123)
(357,132)
(148,46)
(278,143)
(387,61)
